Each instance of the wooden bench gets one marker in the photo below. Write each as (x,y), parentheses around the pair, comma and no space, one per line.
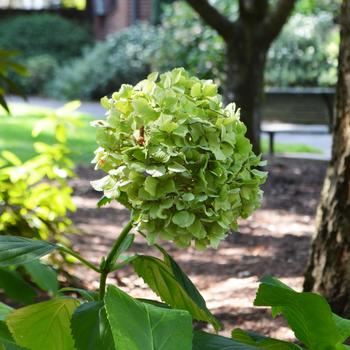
(283,128)
(297,111)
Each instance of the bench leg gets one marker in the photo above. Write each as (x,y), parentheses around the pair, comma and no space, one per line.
(271,143)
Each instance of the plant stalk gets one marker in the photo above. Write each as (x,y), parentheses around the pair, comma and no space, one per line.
(87,263)
(106,266)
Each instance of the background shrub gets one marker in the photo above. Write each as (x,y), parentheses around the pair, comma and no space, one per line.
(41,69)
(125,57)
(187,42)
(44,41)
(305,54)
(40,34)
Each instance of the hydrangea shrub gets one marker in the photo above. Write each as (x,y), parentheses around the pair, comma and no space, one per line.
(178,159)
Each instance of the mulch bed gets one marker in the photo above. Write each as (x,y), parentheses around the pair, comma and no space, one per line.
(274,241)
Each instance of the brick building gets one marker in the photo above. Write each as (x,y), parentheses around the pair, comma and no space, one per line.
(104,16)
(112,15)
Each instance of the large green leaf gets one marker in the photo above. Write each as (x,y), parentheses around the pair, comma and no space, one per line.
(10,346)
(168,281)
(262,342)
(15,287)
(207,341)
(136,325)
(43,275)
(343,326)
(6,339)
(308,314)
(19,250)
(5,334)
(4,310)
(90,327)
(44,325)
(188,286)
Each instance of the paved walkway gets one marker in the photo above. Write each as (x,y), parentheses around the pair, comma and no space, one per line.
(88,107)
(322,142)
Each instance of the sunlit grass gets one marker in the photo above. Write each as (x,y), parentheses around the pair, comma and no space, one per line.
(290,148)
(16,133)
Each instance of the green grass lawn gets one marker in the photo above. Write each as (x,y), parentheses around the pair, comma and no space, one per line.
(289,148)
(15,135)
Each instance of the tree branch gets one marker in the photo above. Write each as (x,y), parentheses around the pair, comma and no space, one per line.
(213,17)
(277,18)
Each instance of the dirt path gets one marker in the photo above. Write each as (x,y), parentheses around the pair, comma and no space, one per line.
(274,241)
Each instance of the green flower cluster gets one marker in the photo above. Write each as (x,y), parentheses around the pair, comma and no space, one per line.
(178,159)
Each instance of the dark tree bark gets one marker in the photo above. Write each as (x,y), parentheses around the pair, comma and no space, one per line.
(248,40)
(157,10)
(329,267)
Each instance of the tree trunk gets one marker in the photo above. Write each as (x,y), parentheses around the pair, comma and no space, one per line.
(245,78)
(247,39)
(329,267)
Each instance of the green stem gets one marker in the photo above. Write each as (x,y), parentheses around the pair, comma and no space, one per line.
(66,250)
(107,265)
(103,279)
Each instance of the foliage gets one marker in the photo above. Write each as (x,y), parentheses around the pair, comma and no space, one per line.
(120,321)
(41,325)
(20,250)
(91,318)
(110,318)
(18,282)
(30,205)
(8,66)
(165,277)
(124,57)
(316,330)
(96,322)
(78,4)
(157,327)
(305,54)
(35,196)
(178,159)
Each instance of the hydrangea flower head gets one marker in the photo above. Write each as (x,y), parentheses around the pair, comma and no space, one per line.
(178,159)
